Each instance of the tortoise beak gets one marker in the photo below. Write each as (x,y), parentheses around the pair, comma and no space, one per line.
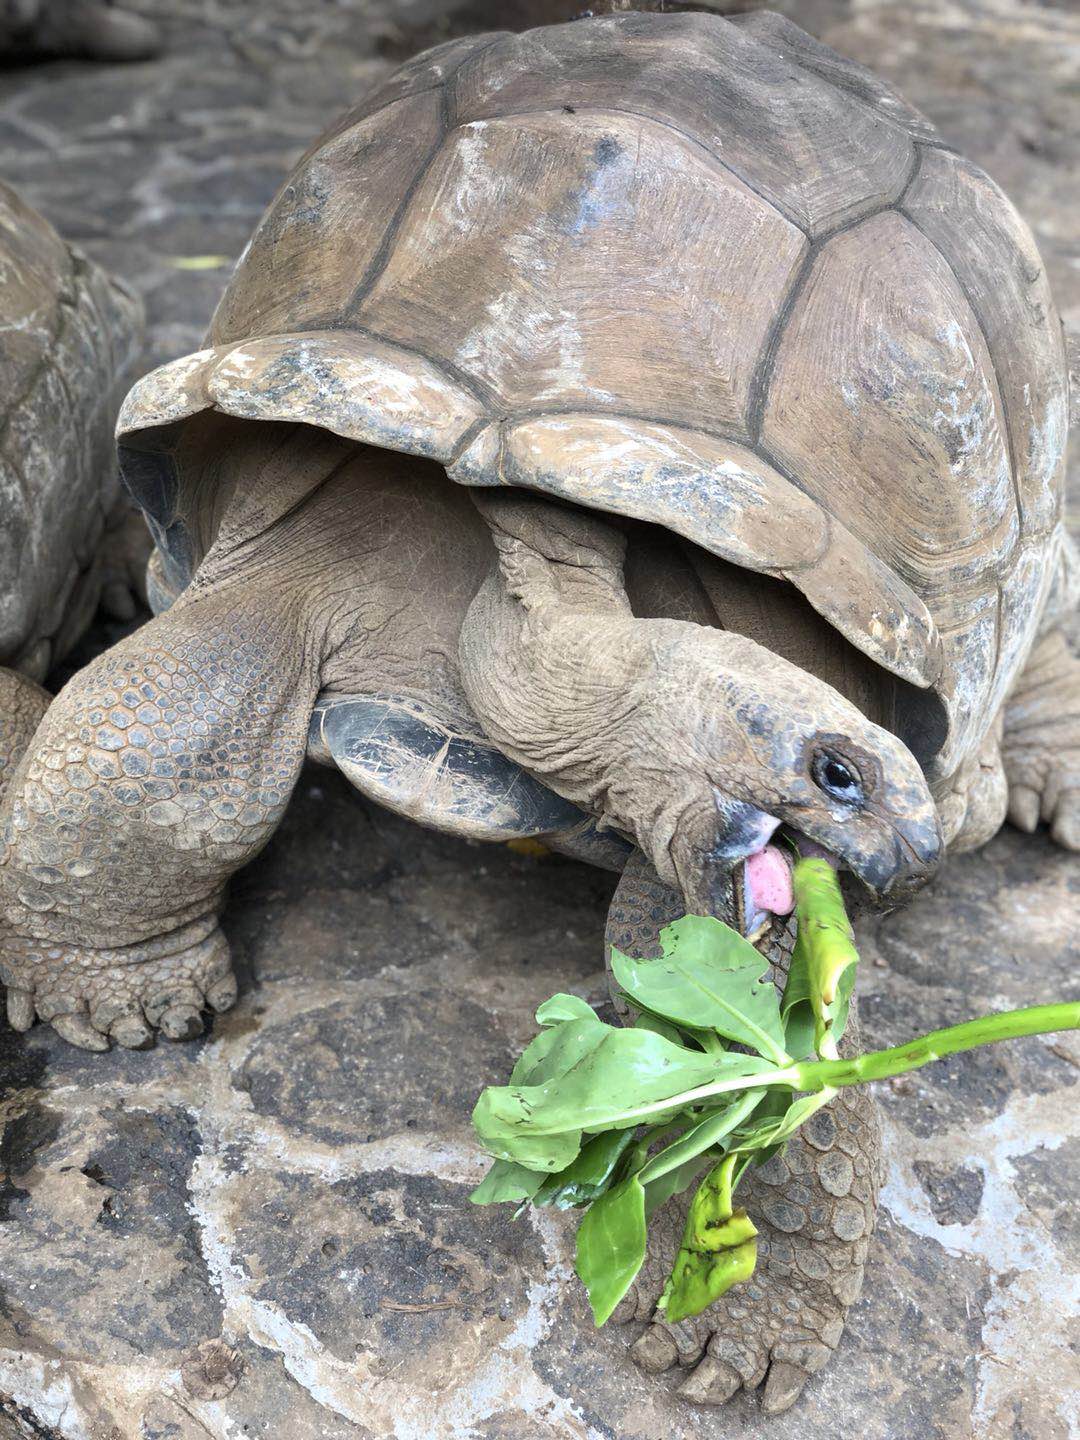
(899,861)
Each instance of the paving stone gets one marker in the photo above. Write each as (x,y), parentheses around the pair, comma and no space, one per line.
(294,1184)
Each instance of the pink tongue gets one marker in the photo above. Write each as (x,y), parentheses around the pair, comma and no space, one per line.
(768,880)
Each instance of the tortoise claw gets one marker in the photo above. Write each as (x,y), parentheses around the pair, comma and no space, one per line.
(181,1022)
(783,1387)
(132,1032)
(1024,808)
(654,1351)
(20,1009)
(76,1029)
(1065,829)
(711,1382)
(221,995)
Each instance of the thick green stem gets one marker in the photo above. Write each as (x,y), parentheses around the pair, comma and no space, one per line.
(880,1064)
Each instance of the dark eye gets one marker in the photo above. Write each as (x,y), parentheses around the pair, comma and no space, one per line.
(837,777)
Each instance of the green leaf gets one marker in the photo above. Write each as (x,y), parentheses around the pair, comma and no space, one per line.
(796,1012)
(564,1007)
(556,1050)
(707,1132)
(618,1078)
(611,1246)
(673,1182)
(588,1175)
(770,1131)
(708,978)
(647,1021)
(507,1181)
(687,1035)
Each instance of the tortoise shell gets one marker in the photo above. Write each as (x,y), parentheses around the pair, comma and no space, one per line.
(698,271)
(67,334)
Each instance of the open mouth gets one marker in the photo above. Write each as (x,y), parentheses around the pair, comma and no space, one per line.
(764,888)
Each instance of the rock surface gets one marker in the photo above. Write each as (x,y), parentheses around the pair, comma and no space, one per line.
(265,1233)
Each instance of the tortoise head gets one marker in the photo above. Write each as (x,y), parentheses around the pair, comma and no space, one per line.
(772,749)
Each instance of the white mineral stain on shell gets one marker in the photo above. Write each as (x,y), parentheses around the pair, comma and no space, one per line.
(171,392)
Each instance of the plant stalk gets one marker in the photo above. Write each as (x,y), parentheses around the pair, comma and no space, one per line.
(881,1064)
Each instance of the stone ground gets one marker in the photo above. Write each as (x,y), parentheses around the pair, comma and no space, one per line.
(295,1182)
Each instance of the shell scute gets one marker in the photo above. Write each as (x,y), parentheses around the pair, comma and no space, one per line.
(812,150)
(328,224)
(883,401)
(431,70)
(357,387)
(584,268)
(784,36)
(993,255)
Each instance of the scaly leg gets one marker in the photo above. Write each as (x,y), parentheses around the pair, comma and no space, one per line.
(22,705)
(158,770)
(1041,745)
(814,1207)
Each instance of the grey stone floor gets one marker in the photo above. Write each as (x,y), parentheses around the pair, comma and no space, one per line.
(295,1181)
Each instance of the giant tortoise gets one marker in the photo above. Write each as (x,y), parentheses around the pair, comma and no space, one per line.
(68,337)
(642,433)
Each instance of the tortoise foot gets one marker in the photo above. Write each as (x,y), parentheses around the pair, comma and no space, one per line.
(93,997)
(1041,746)
(814,1209)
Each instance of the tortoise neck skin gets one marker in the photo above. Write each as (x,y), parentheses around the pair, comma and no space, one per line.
(694,741)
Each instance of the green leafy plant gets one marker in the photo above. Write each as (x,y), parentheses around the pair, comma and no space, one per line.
(616,1120)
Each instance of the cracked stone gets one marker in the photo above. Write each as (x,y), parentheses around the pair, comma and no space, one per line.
(170,1206)
(954,1191)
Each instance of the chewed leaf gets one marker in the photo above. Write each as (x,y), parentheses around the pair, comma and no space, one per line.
(611,1246)
(825,954)
(556,1049)
(506,1181)
(718,1248)
(708,978)
(587,1176)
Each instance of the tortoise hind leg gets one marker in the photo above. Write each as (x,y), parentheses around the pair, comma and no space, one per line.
(157,771)
(1041,745)
(1041,741)
(814,1208)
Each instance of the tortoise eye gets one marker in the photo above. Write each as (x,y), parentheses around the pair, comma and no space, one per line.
(837,778)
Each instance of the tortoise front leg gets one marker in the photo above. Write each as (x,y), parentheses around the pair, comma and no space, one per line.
(814,1207)
(158,770)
